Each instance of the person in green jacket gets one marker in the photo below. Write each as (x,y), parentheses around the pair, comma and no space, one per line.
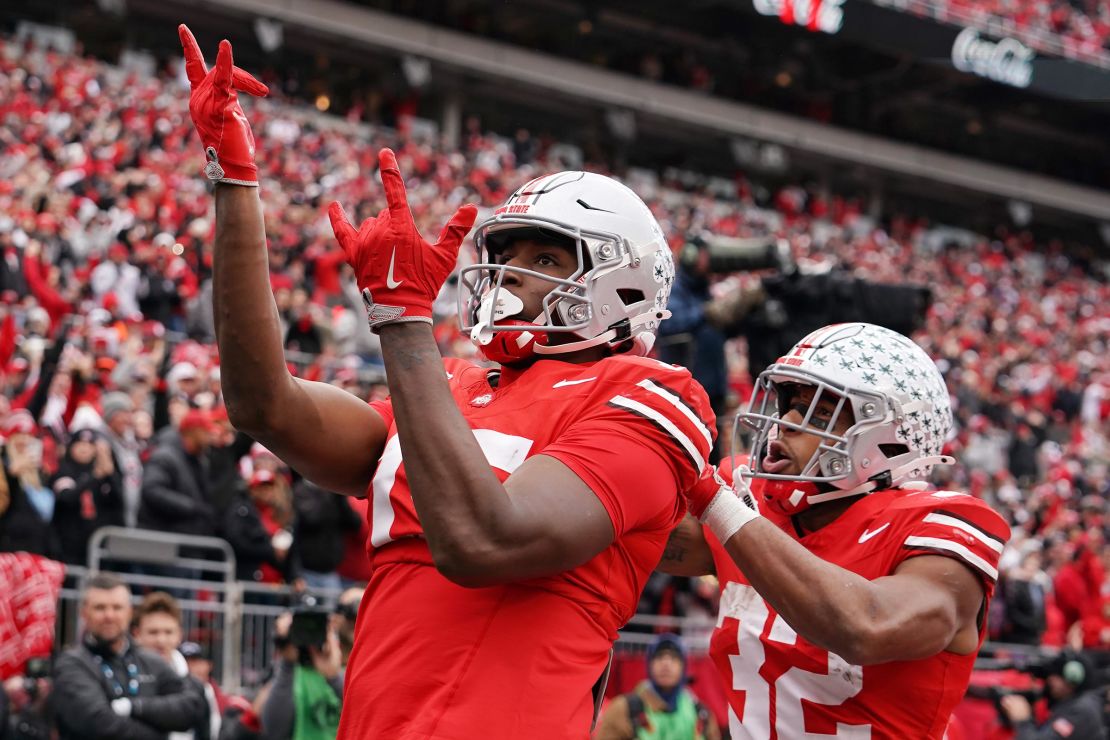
(661,707)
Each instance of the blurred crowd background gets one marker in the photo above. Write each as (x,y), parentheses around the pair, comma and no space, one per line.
(110,406)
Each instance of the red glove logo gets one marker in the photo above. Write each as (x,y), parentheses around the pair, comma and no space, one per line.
(217,115)
(399,273)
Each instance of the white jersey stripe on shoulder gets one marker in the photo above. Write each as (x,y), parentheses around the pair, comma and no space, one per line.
(951,521)
(385,476)
(936,543)
(675,400)
(665,424)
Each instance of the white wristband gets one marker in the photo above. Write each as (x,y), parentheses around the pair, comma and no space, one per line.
(726,514)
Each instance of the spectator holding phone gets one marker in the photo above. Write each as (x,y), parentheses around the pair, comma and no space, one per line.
(26,501)
(88,492)
(306,694)
(343,620)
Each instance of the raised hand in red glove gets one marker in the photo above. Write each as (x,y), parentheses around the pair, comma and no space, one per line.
(217,115)
(399,273)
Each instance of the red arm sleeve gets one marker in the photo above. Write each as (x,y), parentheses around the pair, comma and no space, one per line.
(54,304)
(959,527)
(7,340)
(641,449)
(634,483)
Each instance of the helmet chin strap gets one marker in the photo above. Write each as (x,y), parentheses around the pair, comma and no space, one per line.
(507,304)
(882,481)
(558,349)
(606,337)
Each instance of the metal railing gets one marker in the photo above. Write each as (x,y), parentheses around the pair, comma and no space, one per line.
(198,571)
(234,620)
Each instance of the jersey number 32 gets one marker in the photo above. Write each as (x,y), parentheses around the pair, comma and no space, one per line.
(791,687)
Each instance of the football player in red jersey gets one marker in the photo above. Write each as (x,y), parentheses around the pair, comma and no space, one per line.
(516,512)
(853,599)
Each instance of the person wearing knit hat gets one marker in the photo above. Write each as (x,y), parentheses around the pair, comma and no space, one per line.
(661,707)
(113,404)
(117,409)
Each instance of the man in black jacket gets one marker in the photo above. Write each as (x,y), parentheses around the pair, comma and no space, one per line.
(175,494)
(105,687)
(1074,703)
(323,521)
(1023,593)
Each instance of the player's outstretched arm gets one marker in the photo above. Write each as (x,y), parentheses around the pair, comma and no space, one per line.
(480,532)
(324,433)
(929,604)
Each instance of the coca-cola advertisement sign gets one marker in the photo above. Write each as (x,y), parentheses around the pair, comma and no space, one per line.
(1007,61)
(888,26)
(826,16)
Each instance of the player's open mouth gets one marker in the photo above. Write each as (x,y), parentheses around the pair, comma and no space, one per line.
(777,460)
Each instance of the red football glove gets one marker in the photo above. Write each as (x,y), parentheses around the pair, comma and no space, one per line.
(214,106)
(399,273)
(721,507)
(705,490)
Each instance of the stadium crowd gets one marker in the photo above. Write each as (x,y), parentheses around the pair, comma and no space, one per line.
(1080,27)
(110,404)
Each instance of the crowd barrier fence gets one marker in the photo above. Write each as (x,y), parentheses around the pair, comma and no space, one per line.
(233,621)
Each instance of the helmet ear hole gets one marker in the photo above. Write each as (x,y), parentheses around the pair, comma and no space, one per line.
(630,296)
(891,450)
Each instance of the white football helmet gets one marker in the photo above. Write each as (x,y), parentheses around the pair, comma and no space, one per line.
(897,399)
(617,296)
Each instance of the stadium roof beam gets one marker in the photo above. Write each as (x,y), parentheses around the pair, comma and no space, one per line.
(499,60)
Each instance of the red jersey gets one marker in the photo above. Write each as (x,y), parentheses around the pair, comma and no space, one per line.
(781,686)
(436,660)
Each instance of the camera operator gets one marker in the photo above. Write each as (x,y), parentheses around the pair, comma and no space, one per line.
(694,335)
(24,713)
(307,691)
(1075,707)
(106,688)
(343,620)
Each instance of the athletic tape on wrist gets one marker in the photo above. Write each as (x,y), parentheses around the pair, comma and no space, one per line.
(726,514)
(376,326)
